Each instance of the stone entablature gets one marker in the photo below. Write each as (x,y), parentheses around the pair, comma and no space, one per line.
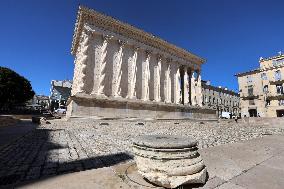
(86,15)
(115,60)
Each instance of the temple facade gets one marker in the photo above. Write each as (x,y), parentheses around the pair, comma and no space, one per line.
(124,72)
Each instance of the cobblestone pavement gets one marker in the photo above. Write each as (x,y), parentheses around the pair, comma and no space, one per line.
(63,147)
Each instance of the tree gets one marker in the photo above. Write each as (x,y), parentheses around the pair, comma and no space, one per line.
(14,89)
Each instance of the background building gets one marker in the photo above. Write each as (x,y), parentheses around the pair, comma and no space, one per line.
(60,91)
(220,99)
(261,89)
(38,102)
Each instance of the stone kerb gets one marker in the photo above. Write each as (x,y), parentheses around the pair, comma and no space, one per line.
(169,161)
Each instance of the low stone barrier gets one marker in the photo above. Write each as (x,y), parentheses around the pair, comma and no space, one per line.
(169,161)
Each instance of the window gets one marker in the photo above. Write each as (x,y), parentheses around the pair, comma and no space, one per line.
(278,62)
(251,102)
(249,79)
(279,89)
(250,91)
(267,102)
(281,102)
(277,75)
(265,89)
(263,76)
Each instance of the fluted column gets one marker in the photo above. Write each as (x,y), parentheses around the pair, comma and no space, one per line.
(81,63)
(117,61)
(100,64)
(175,80)
(145,77)
(193,92)
(132,71)
(186,86)
(199,89)
(157,79)
(167,84)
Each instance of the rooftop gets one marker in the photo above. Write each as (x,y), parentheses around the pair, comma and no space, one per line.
(279,56)
(219,88)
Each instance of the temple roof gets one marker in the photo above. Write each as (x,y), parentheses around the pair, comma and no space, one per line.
(86,15)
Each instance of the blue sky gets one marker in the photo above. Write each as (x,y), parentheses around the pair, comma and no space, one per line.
(231,35)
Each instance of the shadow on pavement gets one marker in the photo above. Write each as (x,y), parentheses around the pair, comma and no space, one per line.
(37,156)
(11,132)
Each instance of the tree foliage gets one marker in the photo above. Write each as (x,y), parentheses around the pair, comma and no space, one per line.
(14,89)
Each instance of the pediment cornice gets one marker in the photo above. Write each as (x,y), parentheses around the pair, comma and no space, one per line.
(89,16)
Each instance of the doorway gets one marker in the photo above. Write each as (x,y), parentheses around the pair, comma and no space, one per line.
(280,113)
(252,113)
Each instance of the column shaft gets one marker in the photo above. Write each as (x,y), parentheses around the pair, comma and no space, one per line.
(132,71)
(117,61)
(175,80)
(185,86)
(145,77)
(81,64)
(167,84)
(199,89)
(100,50)
(157,80)
(193,91)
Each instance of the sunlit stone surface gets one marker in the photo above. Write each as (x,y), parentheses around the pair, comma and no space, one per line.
(169,161)
(123,72)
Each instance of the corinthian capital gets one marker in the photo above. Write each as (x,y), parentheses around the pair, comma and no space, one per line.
(107,38)
(169,59)
(87,32)
(159,57)
(122,43)
(136,48)
(148,52)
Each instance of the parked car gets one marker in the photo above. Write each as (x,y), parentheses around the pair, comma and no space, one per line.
(225,115)
(60,111)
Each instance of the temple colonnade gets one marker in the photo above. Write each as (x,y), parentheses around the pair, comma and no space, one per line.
(110,66)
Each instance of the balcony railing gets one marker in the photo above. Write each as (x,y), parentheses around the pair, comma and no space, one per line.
(275,97)
(275,82)
(249,96)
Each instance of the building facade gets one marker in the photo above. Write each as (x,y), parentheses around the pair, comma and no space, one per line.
(121,71)
(60,91)
(39,102)
(261,90)
(220,99)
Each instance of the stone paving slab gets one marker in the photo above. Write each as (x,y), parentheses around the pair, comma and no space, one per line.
(277,162)
(230,160)
(10,133)
(102,178)
(261,177)
(66,147)
(230,186)
(222,160)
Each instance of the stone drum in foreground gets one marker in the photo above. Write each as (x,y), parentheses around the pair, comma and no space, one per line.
(169,161)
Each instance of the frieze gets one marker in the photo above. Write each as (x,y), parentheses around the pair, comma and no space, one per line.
(86,15)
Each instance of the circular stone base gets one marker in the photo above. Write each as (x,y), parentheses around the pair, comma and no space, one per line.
(169,161)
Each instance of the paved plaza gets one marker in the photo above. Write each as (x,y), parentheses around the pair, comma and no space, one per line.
(66,147)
